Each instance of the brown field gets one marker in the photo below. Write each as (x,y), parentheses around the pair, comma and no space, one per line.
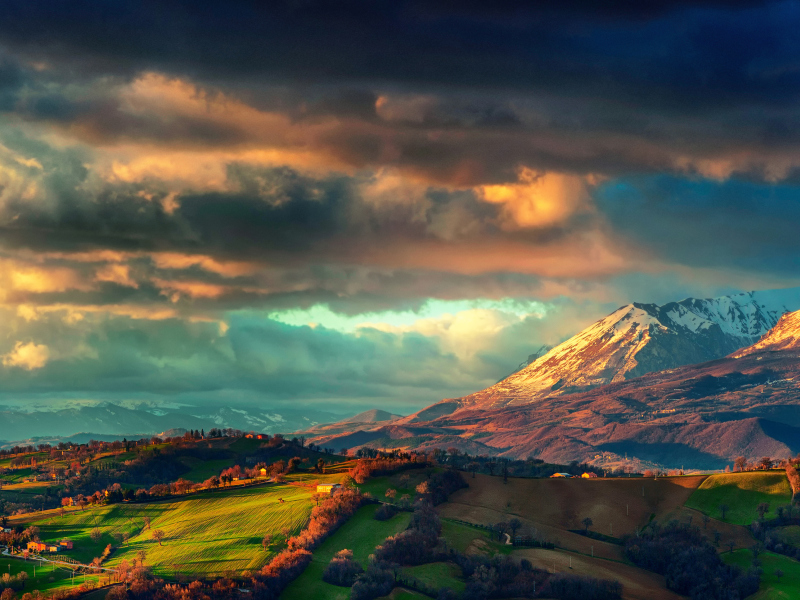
(637,584)
(616,506)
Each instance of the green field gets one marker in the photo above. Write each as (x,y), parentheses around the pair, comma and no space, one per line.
(438,575)
(205,534)
(403,594)
(377,486)
(361,534)
(461,537)
(45,577)
(204,469)
(772,588)
(788,535)
(742,493)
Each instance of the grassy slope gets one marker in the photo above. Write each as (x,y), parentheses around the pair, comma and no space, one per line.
(789,534)
(361,534)
(438,575)
(771,588)
(206,533)
(48,577)
(403,594)
(203,469)
(742,492)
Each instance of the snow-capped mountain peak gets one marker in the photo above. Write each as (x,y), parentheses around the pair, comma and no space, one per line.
(640,338)
(784,336)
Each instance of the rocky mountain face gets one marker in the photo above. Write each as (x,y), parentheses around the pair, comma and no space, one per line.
(642,338)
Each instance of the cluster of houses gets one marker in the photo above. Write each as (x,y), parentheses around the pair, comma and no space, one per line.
(49,547)
(586,475)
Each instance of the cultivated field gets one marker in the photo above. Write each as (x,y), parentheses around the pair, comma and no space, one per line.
(741,493)
(616,506)
(205,534)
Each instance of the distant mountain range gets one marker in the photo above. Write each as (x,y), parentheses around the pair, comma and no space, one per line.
(109,421)
(627,389)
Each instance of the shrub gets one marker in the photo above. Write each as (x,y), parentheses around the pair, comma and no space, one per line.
(342,570)
(385,512)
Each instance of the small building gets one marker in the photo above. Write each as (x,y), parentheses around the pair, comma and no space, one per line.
(249,436)
(561,476)
(66,544)
(261,436)
(52,548)
(263,472)
(589,475)
(328,488)
(6,529)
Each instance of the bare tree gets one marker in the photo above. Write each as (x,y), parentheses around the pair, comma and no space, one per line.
(587,522)
(723,508)
(705,519)
(95,535)
(266,542)
(762,509)
(141,555)
(740,463)
(146,521)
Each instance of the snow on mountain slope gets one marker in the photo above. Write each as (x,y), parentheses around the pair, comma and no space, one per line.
(641,338)
(784,336)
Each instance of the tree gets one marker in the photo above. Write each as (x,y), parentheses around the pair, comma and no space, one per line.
(95,535)
(587,522)
(146,521)
(716,537)
(705,519)
(266,542)
(391,493)
(766,462)
(762,509)
(778,574)
(141,555)
(158,535)
(514,524)
(723,508)
(321,465)
(740,463)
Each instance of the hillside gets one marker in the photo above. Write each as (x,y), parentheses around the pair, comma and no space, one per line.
(698,416)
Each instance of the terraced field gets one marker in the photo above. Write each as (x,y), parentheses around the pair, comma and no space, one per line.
(741,493)
(205,534)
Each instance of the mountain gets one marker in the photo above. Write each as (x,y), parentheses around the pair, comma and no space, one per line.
(698,416)
(141,420)
(785,336)
(641,338)
(371,416)
(358,428)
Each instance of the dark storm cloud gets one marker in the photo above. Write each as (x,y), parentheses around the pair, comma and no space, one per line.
(695,48)
(733,224)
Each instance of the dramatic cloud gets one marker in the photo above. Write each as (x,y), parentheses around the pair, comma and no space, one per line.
(371,202)
(28,356)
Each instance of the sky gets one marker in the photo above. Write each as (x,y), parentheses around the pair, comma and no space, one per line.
(359,204)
